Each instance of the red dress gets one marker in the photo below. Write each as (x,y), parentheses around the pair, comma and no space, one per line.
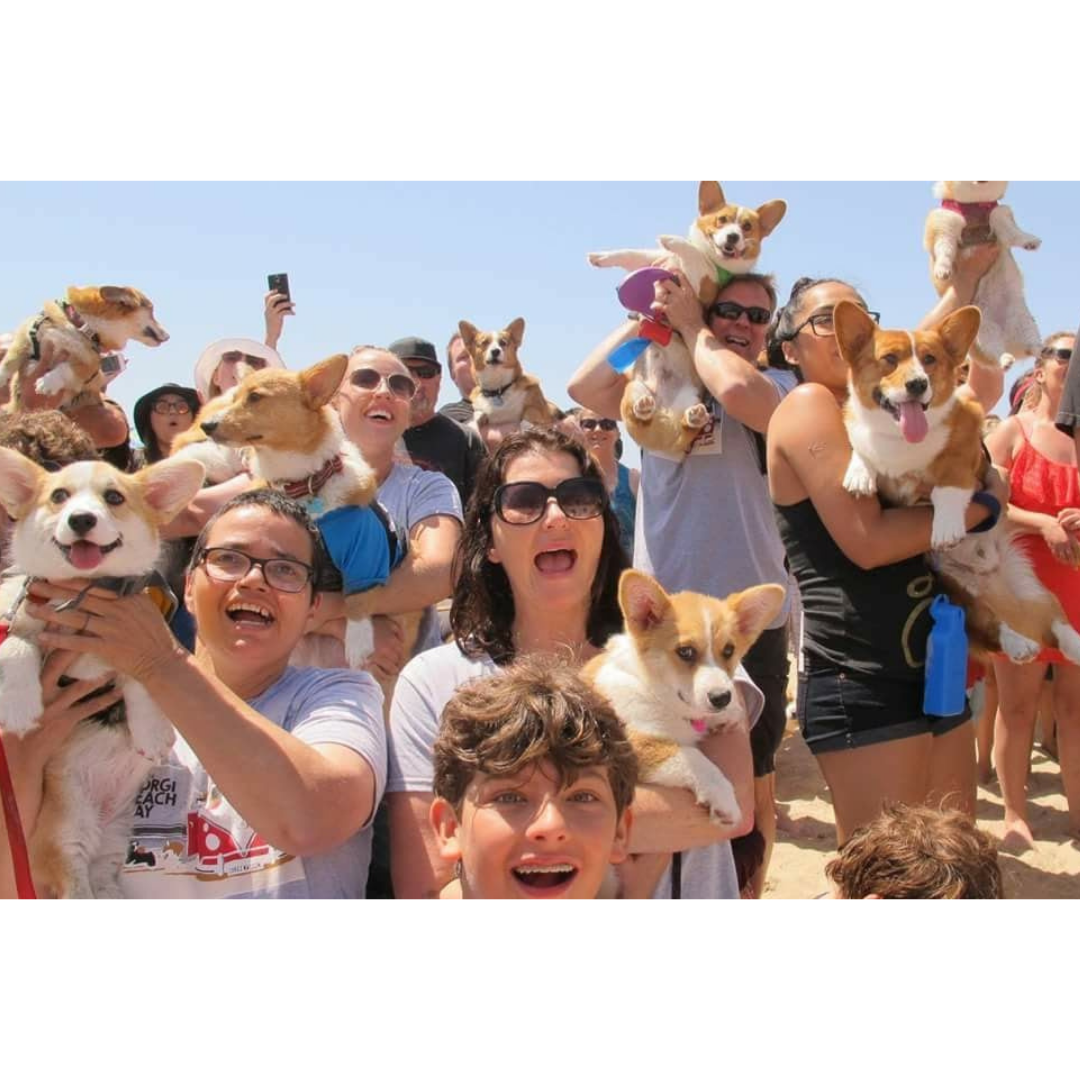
(1047,487)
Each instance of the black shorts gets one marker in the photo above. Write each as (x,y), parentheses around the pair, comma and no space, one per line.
(767,664)
(842,710)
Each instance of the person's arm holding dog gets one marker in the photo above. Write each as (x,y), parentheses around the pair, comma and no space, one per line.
(596,384)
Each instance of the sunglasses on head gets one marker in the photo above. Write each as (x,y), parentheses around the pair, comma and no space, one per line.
(1063,355)
(424,372)
(401,386)
(580,499)
(728,309)
(602,425)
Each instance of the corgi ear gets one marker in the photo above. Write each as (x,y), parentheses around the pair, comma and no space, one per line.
(125,297)
(516,330)
(854,330)
(960,330)
(771,214)
(170,485)
(643,602)
(756,608)
(321,382)
(468,334)
(20,479)
(710,197)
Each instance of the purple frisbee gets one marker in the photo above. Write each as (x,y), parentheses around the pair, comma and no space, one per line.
(638,291)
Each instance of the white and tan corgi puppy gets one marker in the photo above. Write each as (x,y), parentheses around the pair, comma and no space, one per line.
(915,439)
(971,212)
(89,323)
(671,679)
(86,521)
(724,241)
(504,394)
(296,443)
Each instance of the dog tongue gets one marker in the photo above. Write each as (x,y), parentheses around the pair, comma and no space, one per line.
(913,425)
(85,556)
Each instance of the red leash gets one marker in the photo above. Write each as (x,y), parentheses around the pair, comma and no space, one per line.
(24,883)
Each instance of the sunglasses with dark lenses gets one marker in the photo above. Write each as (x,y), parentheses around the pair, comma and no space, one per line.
(728,309)
(1062,355)
(236,357)
(602,425)
(580,499)
(401,386)
(282,575)
(424,372)
(163,408)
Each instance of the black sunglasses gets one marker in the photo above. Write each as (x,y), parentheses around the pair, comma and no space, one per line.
(728,309)
(401,386)
(603,425)
(1064,355)
(580,499)
(424,372)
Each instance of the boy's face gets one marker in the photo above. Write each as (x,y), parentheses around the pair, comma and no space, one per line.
(522,838)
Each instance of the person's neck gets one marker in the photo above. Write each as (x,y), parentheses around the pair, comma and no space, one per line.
(1047,409)
(609,466)
(562,634)
(381,460)
(241,680)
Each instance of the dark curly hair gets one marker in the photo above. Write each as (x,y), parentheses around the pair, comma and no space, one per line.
(787,319)
(48,438)
(482,614)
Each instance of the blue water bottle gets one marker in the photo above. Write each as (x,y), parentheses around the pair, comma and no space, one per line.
(946,661)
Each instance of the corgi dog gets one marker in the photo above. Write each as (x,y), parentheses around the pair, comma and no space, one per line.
(285,422)
(662,407)
(915,439)
(671,679)
(724,242)
(971,212)
(88,324)
(504,394)
(220,462)
(86,521)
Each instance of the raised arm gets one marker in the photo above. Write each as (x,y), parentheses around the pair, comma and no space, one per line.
(596,385)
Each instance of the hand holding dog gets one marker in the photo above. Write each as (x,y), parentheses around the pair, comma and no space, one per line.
(1069,519)
(1062,543)
(389,657)
(972,265)
(678,304)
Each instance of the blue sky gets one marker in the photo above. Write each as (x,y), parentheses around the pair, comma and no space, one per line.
(370,262)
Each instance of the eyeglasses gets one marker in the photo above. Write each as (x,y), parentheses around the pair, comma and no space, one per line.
(282,575)
(603,425)
(163,408)
(822,325)
(401,386)
(728,309)
(424,372)
(247,358)
(580,499)
(1061,355)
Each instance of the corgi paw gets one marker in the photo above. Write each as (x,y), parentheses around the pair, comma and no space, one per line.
(697,417)
(22,709)
(154,745)
(943,271)
(859,480)
(1030,243)
(599,259)
(1019,649)
(1068,641)
(1007,361)
(359,642)
(50,384)
(645,408)
(946,534)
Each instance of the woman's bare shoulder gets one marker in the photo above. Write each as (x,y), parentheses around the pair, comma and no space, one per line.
(810,403)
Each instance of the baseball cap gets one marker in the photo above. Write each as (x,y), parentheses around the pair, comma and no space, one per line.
(414,348)
(210,360)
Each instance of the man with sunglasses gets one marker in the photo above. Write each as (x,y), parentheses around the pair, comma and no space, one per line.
(705,521)
(434,441)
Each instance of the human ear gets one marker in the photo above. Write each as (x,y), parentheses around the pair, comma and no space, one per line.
(445,824)
(620,849)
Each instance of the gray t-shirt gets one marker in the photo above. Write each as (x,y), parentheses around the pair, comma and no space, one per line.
(430,681)
(189,843)
(705,523)
(410,495)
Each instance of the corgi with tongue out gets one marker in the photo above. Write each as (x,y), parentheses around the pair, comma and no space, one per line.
(913,437)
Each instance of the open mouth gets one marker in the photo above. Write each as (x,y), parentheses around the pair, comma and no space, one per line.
(737,342)
(381,415)
(545,879)
(561,561)
(250,615)
(86,556)
(910,415)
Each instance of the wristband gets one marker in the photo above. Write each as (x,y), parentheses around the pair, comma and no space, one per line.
(984,498)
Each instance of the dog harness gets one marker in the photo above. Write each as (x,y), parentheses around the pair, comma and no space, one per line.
(976,220)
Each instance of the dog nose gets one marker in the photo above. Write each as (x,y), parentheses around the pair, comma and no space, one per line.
(918,387)
(81,524)
(209,426)
(720,702)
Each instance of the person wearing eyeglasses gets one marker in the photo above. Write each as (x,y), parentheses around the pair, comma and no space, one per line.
(715,499)
(271,787)
(161,415)
(1044,507)
(864,582)
(537,575)
(601,436)
(434,441)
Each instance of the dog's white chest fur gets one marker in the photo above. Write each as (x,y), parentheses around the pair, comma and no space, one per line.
(506,407)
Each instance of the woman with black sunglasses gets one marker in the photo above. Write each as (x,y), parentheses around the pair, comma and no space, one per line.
(601,436)
(1044,506)
(537,574)
(863,578)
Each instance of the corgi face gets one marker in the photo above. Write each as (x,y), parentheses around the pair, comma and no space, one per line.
(900,373)
(118,315)
(689,647)
(734,233)
(971,191)
(494,353)
(279,410)
(90,520)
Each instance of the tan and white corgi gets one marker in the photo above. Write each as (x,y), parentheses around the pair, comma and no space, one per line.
(724,241)
(296,443)
(916,439)
(85,521)
(504,394)
(671,679)
(85,326)
(971,212)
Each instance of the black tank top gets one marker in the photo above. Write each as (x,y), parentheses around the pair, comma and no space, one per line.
(872,622)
